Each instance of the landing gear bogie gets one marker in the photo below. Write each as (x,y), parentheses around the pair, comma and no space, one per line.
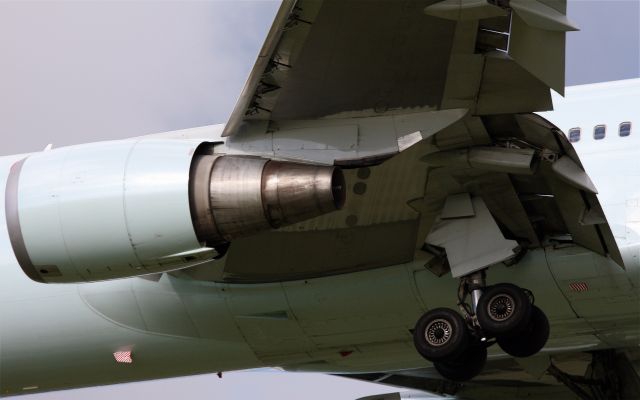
(457,344)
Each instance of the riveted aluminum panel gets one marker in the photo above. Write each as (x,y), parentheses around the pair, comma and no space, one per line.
(156,198)
(106,210)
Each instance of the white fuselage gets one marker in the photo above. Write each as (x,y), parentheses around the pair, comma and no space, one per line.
(63,336)
(613,162)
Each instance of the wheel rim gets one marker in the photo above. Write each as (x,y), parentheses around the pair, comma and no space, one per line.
(501,307)
(438,332)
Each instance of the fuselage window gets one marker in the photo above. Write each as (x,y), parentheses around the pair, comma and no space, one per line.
(574,135)
(625,129)
(599,131)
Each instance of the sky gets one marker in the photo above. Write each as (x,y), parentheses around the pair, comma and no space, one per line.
(82,71)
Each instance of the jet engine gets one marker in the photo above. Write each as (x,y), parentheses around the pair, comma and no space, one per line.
(127,208)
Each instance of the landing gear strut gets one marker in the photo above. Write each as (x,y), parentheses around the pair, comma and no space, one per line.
(457,344)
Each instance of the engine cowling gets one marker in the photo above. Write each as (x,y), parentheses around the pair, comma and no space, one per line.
(127,208)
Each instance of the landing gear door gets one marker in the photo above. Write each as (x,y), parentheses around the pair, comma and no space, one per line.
(470,235)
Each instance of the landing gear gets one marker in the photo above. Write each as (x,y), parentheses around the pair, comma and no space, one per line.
(503,310)
(529,341)
(457,344)
(464,367)
(441,334)
(442,337)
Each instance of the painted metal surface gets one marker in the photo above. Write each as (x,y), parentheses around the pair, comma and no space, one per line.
(124,208)
(56,336)
(73,335)
(612,162)
(176,326)
(51,337)
(472,242)
(108,209)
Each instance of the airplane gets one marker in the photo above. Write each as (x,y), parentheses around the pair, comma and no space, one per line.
(388,202)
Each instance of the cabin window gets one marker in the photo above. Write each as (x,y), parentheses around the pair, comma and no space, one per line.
(599,132)
(625,129)
(574,135)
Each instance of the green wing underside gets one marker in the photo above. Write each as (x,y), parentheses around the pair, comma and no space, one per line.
(355,78)
(367,58)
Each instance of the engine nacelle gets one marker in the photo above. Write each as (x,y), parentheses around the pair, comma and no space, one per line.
(126,208)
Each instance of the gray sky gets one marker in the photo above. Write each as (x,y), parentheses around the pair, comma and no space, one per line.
(608,45)
(82,71)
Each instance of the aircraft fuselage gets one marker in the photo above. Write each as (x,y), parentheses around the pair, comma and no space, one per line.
(65,336)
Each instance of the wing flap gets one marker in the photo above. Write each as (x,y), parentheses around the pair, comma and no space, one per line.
(534,205)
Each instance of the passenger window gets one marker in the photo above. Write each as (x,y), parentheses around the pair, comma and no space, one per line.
(574,135)
(599,132)
(625,129)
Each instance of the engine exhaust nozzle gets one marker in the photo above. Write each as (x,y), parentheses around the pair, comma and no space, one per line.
(235,196)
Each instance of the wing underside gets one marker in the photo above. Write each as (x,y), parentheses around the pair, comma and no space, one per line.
(352,83)
(335,58)
(523,170)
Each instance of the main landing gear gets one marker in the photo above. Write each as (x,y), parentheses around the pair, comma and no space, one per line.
(504,314)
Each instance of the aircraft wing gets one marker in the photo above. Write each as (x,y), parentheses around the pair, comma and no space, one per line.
(329,58)
(451,85)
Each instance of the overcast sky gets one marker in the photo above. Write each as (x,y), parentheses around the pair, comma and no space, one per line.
(73,72)
(82,71)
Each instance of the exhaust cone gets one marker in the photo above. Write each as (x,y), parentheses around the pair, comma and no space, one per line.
(235,196)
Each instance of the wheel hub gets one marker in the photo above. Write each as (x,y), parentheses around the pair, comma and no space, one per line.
(501,307)
(438,332)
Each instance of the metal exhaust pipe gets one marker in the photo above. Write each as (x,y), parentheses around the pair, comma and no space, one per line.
(236,196)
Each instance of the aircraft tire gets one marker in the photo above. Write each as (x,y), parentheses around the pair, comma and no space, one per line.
(466,366)
(531,340)
(440,334)
(503,310)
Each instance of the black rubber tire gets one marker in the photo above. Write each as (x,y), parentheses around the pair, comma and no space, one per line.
(454,342)
(466,366)
(517,317)
(531,340)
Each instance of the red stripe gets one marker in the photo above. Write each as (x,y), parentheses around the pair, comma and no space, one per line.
(579,286)
(123,357)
